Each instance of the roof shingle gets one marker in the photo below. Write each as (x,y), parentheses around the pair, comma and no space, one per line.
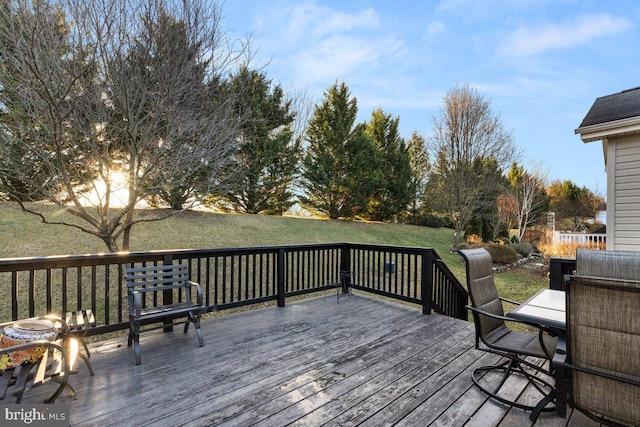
(613,107)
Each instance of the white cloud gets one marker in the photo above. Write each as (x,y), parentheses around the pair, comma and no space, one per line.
(310,21)
(435,28)
(337,22)
(527,41)
(318,44)
(338,56)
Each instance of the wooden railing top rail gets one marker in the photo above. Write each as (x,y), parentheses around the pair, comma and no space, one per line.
(83,260)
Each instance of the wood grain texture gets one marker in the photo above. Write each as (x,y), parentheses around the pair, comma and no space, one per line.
(363,361)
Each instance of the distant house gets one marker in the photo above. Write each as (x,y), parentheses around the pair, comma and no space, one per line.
(615,120)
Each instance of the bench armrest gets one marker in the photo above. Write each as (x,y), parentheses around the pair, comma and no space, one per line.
(135,303)
(199,296)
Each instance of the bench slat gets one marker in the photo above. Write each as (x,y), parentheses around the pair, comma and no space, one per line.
(154,288)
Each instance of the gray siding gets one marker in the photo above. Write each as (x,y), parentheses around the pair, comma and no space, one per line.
(624,197)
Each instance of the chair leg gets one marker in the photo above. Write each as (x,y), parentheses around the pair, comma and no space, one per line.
(63,384)
(75,353)
(21,382)
(86,348)
(513,366)
(86,362)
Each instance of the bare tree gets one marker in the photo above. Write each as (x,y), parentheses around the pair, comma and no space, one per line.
(528,189)
(94,89)
(466,136)
(506,213)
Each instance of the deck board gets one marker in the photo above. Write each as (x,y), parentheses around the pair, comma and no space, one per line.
(364,361)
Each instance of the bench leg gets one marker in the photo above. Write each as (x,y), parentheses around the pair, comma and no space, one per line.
(195,319)
(134,337)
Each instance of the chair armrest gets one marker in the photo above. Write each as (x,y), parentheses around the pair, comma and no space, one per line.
(509,319)
(509,301)
(560,356)
(199,298)
(492,315)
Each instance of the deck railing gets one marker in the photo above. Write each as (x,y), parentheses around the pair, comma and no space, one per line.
(229,278)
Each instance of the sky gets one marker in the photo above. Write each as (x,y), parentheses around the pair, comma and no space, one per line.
(540,63)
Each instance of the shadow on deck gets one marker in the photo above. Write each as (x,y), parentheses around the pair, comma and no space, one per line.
(363,361)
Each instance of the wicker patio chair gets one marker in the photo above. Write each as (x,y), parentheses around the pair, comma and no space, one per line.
(497,338)
(602,349)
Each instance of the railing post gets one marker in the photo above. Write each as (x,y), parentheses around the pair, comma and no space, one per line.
(280,276)
(345,265)
(167,297)
(426,280)
(559,271)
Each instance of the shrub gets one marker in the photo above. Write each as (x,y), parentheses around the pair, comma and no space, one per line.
(523,248)
(430,220)
(502,254)
(472,241)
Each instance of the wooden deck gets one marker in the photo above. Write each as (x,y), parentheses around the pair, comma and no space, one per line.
(363,361)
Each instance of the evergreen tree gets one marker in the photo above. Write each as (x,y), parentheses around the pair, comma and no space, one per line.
(166,54)
(268,157)
(420,167)
(396,184)
(483,221)
(569,201)
(340,166)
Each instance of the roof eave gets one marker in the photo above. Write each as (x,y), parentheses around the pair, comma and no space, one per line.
(600,131)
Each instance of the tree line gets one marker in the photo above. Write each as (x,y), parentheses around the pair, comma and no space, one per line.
(153,90)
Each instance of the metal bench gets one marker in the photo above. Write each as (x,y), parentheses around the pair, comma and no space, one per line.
(160,294)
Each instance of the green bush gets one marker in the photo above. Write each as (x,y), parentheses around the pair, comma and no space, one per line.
(502,254)
(431,220)
(523,248)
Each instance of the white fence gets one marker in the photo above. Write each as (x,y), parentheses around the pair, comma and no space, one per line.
(583,239)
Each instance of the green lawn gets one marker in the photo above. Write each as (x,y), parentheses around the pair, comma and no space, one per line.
(22,235)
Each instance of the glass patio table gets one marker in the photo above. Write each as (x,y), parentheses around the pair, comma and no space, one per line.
(547,308)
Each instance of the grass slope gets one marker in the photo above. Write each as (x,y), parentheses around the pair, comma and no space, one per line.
(22,235)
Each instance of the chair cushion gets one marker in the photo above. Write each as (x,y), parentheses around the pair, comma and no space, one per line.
(527,343)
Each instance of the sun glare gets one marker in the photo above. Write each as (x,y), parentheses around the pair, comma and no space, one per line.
(119,191)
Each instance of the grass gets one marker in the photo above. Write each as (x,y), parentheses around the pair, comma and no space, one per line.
(22,235)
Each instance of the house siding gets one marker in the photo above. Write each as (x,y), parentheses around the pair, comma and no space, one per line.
(623,193)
